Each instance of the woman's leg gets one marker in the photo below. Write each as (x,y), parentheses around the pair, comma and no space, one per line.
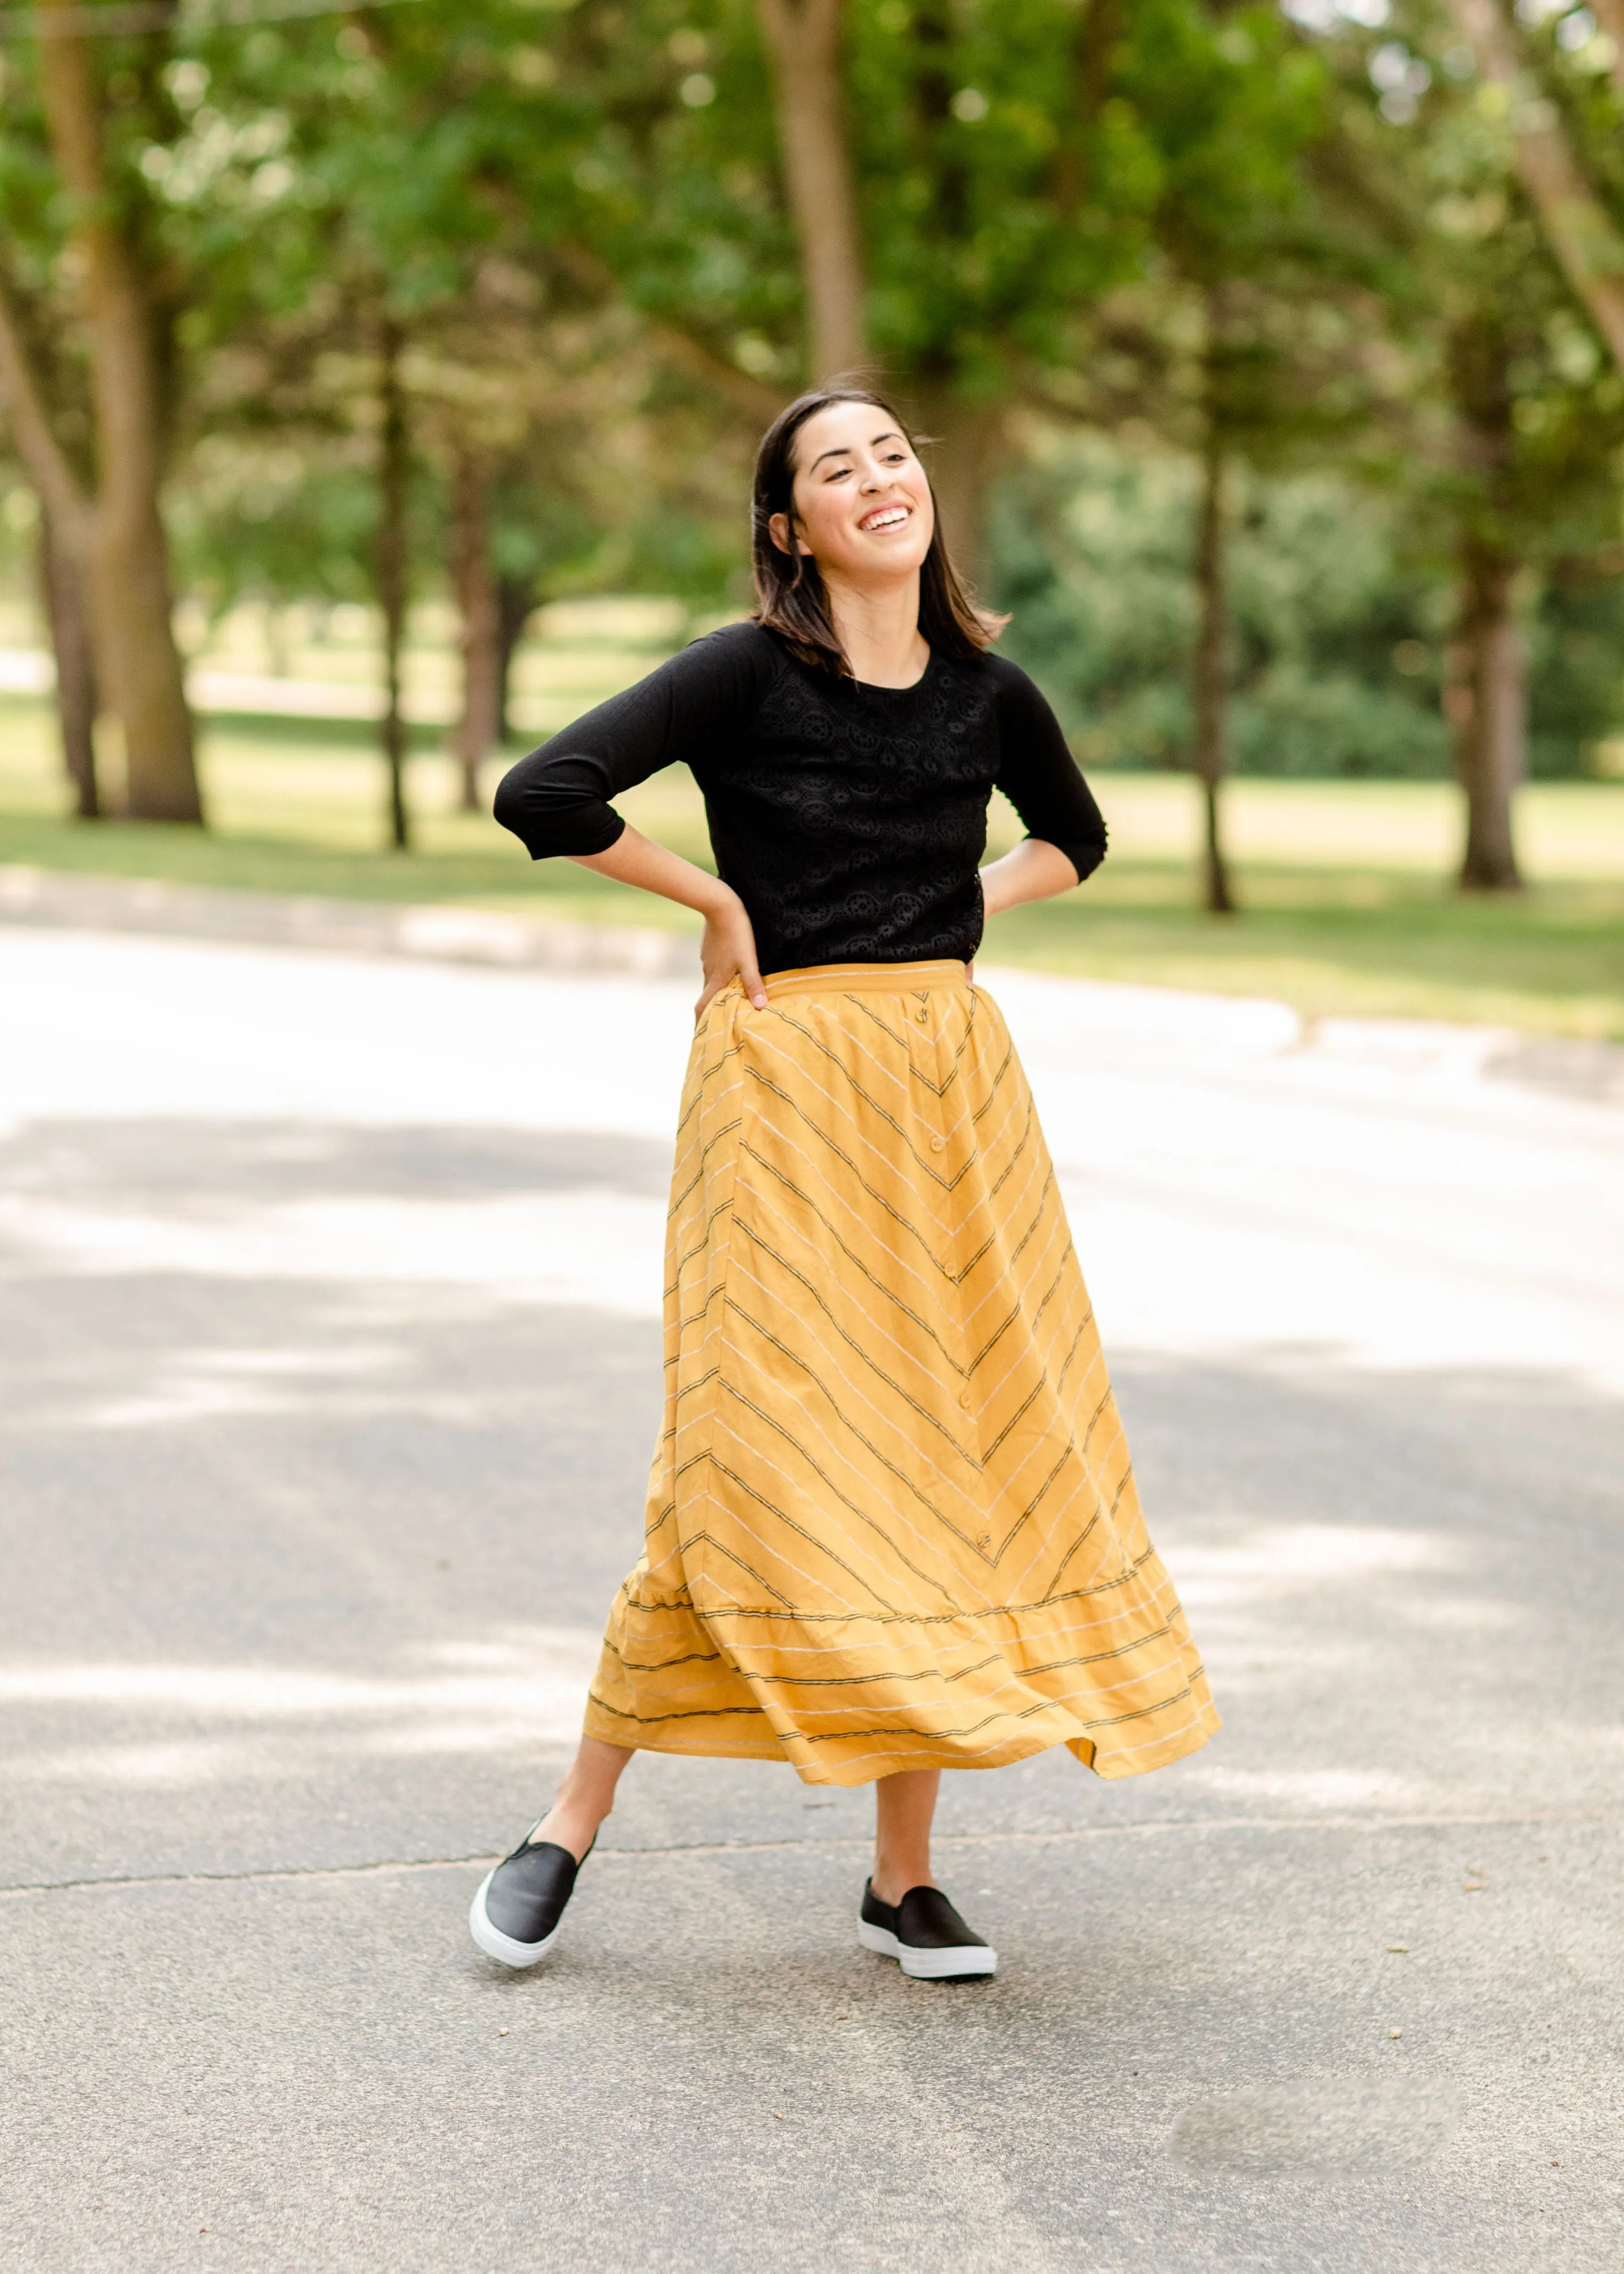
(584,1797)
(903,1807)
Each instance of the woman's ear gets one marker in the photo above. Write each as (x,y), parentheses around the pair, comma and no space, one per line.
(777,529)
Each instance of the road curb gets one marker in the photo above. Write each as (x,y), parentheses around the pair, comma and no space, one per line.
(1574,1067)
(435,933)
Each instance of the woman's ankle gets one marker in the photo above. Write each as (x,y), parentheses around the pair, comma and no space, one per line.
(585,1797)
(889,1884)
(571,1823)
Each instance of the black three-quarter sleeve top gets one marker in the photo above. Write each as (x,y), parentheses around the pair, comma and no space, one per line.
(850,819)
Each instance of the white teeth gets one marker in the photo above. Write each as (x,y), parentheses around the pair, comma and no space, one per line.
(888,519)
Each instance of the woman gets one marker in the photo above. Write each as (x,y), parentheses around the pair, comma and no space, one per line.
(891,1524)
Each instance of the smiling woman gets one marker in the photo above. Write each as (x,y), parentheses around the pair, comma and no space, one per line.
(893,1527)
(846,741)
(818,520)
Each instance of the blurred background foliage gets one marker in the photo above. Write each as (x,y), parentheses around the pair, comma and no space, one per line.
(1341,621)
(1274,356)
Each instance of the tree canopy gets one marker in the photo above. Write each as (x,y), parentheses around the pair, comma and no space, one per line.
(491,300)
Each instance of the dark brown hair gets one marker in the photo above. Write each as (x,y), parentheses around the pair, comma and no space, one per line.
(789,590)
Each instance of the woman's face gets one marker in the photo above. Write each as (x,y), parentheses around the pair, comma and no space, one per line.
(863,509)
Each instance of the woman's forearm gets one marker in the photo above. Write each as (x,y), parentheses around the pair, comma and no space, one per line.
(1035,870)
(728,951)
(634,859)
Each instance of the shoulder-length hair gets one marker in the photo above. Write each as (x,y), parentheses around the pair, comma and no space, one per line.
(789,590)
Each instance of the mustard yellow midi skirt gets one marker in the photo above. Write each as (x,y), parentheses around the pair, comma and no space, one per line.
(891,1519)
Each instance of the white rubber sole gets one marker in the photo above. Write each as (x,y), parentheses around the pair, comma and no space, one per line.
(497,1944)
(929,1965)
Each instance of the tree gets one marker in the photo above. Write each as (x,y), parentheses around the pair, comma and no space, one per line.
(374,155)
(1236,343)
(1486,699)
(1583,234)
(127,548)
(394,568)
(67,616)
(474,580)
(804,40)
(1002,177)
(1469,180)
(67,535)
(1008,178)
(1210,754)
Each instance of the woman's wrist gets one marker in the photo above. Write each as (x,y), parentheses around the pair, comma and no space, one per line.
(721,901)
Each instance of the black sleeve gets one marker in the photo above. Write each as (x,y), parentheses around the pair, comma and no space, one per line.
(557,799)
(1039,775)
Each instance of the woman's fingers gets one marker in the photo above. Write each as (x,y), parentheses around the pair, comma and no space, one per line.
(711,988)
(729,953)
(748,978)
(716,981)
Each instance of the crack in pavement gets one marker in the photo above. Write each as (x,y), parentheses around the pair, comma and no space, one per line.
(1157,1827)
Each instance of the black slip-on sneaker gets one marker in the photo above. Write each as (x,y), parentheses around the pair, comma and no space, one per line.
(924,1934)
(520,1907)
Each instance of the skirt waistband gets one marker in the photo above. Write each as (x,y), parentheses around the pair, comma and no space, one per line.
(866,979)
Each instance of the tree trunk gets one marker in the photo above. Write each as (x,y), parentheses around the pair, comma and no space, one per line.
(1610,15)
(973,440)
(1209,756)
(473,576)
(1097,34)
(1578,227)
(62,586)
(1488,709)
(137,657)
(803,41)
(515,603)
(392,570)
(1486,698)
(66,537)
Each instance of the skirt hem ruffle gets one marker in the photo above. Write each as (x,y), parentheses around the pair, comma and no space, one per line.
(614,1727)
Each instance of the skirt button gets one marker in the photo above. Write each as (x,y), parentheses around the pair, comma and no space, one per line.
(964,1399)
(939,1144)
(922,1015)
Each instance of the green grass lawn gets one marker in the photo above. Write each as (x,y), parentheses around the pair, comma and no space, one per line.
(1346,904)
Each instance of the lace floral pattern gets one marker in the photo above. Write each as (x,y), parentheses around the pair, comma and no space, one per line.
(852,820)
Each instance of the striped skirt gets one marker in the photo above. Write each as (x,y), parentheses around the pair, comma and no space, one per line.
(891,1519)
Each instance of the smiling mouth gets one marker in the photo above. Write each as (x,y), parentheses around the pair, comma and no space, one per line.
(888,516)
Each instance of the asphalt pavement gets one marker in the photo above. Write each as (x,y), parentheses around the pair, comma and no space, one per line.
(329,1339)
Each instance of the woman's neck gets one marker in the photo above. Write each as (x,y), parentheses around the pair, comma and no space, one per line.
(879,630)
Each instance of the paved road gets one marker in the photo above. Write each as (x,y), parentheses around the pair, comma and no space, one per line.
(328,1293)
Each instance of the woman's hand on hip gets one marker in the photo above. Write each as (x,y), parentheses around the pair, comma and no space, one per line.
(728,952)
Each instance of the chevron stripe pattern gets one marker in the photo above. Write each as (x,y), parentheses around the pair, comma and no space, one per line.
(892,1522)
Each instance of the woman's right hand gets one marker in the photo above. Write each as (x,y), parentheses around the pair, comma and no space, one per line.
(728,952)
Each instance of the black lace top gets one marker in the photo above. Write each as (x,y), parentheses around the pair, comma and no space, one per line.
(850,819)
